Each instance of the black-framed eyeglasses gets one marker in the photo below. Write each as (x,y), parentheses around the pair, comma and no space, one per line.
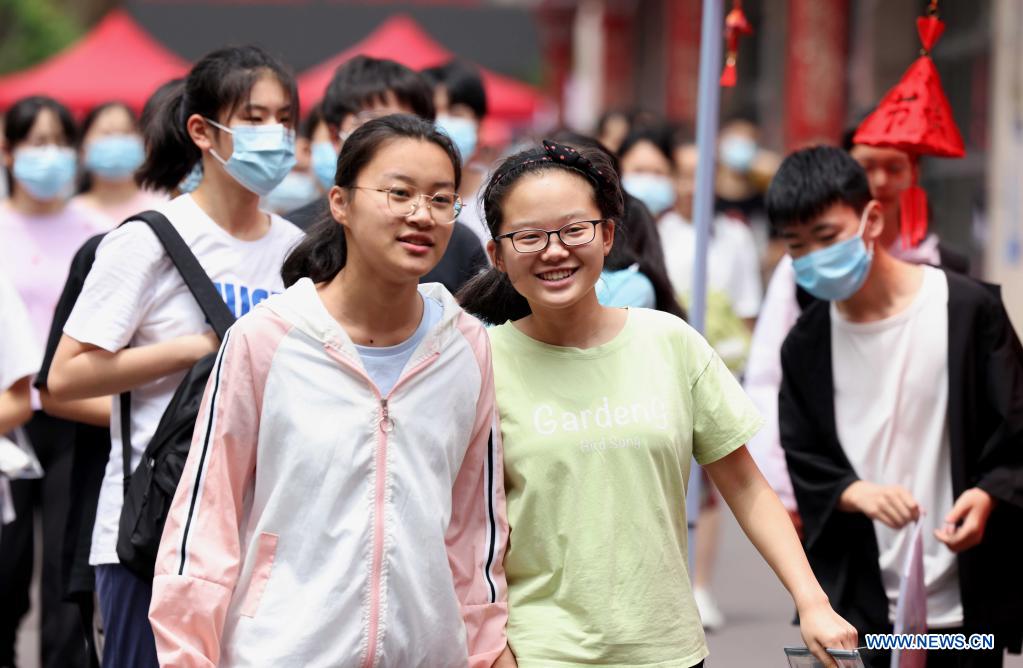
(578,233)
(403,201)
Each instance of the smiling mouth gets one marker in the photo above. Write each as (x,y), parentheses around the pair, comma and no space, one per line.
(417,240)
(557,275)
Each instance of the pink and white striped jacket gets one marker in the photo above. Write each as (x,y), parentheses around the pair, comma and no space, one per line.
(320,524)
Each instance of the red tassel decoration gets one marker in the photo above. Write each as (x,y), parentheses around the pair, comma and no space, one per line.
(913,216)
(736,25)
(729,75)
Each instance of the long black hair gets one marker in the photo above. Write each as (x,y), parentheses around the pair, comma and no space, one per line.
(221,80)
(641,245)
(322,254)
(490,295)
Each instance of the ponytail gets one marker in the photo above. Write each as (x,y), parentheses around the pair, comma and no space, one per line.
(170,152)
(320,256)
(491,297)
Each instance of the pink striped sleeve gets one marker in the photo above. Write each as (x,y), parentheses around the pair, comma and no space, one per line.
(198,561)
(478,532)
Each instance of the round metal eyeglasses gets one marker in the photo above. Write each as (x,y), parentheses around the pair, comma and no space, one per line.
(403,201)
(578,233)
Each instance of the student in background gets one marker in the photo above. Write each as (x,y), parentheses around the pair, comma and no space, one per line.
(135,327)
(41,231)
(901,402)
(461,102)
(110,151)
(301,186)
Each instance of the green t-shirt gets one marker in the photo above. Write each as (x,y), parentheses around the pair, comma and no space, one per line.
(597,447)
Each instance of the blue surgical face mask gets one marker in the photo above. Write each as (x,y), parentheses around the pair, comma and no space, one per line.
(115,157)
(463,133)
(324,161)
(837,272)
(262,155)
(192,179)
(45,172)
(737,153)
(296,190)
(656,191)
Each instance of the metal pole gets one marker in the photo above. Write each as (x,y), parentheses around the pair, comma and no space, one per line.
(706,143)
(703,199)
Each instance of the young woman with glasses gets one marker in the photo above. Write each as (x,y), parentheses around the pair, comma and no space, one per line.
(602,410)
(343,500)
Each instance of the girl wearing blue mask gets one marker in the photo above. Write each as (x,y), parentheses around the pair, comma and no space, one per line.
(647,170)
(135,327)
(110,152)
(41,232)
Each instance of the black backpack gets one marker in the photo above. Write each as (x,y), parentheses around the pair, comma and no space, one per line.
(148,491)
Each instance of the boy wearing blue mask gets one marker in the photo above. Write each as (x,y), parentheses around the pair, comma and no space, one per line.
(901,402)
(461,101)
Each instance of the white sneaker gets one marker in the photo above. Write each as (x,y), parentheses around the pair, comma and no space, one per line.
(710,614)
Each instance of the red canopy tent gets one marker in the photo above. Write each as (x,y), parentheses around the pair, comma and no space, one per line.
(117,60)
(400,38)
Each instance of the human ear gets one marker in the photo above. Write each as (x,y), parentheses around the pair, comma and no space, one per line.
(874,215)
(338,199)
(608,232)
(198,130)
(494,253)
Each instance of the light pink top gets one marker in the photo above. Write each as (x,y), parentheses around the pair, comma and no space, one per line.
(143,200)
(35,254)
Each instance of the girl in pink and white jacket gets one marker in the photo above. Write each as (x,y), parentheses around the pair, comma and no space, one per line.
(343,501)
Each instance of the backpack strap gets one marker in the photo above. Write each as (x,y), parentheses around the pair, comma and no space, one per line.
(126,437)
(202,289)
(199,284)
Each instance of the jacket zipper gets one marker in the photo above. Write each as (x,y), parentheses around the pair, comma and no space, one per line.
(385,424)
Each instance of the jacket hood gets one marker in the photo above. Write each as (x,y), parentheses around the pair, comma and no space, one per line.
(301,306)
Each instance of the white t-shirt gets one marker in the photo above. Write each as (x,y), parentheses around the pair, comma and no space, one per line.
(891,401)
(733,266)
(134,296)
(20,353)
(762,381)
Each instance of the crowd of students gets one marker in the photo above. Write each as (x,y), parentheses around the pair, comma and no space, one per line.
(455,419)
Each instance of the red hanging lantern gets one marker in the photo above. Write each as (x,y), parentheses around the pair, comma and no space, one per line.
(736,25)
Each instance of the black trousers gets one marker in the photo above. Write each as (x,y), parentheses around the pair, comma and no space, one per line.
(63,643)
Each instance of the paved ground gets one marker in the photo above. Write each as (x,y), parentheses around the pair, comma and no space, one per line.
(756,607)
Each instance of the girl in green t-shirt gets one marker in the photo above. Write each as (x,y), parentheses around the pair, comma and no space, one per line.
(602,411)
